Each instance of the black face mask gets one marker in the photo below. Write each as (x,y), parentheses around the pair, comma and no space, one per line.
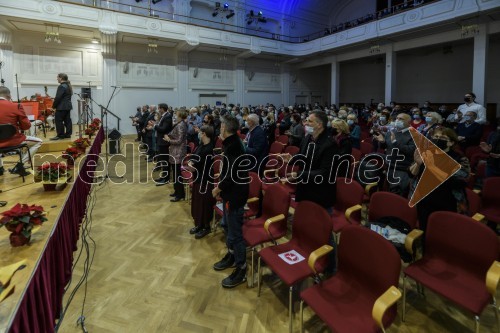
(205,122)
(335,131)
(442,144)
(467,99)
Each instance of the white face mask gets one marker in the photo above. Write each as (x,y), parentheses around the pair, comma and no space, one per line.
(309,129)
(399,124)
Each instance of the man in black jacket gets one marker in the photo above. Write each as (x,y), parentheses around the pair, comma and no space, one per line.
(233,189)
(164,126)
(62,105)
(256,142)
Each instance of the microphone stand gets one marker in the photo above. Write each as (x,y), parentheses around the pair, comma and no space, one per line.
(104,113)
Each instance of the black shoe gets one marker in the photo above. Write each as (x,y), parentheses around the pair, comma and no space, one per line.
(194,230)
(202,233)
(173,195)
(226,262)
(67,136)
(2,171)
(175,199)
(237,277)
(56,138)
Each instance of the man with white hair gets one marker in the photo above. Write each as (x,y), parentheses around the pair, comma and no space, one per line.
(256,141)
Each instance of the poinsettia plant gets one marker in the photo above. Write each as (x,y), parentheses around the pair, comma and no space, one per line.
(71,152)
(51,172)
(81,143)
(22,218)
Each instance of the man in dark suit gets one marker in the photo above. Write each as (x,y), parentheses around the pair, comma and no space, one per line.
(62,105)
(256,142)
(317,150)
(164,126)
(233,189)
(470,131)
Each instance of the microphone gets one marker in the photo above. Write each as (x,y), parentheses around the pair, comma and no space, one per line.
(115,86)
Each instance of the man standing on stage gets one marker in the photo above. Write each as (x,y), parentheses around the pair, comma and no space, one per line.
(11,113)
(62,105)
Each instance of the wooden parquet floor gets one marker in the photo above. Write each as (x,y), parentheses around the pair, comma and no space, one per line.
(150,275)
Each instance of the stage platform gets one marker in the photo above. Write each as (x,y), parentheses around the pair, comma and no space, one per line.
(36,300)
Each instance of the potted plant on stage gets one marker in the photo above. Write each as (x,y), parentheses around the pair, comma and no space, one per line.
(51,174)
(93,127)
(21,220)
(71,154)
(81,144)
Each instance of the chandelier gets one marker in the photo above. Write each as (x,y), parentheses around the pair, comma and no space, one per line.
(470,30)
(375,49)
(52,34)
(153,45)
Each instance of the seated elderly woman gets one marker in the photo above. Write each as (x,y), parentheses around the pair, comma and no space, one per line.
(433,120)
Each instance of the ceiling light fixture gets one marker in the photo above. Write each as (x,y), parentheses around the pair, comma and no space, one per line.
(252,18)
(153,45)
(225,9)
(52,34)
(94,41)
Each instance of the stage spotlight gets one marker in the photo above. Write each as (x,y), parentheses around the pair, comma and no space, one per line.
(217,5)
(262,19)
(138,1)
(228,16)
(214,14)
(249,22)
(226,6)
(155,1)
(260,13)
(251,13)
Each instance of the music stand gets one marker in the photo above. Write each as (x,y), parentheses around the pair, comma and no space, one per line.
(104,120)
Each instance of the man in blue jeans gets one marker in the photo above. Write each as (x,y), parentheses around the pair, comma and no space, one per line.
(233,189)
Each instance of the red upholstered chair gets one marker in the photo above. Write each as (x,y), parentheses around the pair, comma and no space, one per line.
(252,207)
(366,147)
(310,233)
(347,209)
(490,199)
(474,202)
(271,225)
(283,139)
(460,256)
(361,297)
(384,204)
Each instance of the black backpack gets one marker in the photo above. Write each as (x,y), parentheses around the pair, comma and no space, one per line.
(401,226)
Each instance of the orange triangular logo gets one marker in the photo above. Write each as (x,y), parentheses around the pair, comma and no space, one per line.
(438,167)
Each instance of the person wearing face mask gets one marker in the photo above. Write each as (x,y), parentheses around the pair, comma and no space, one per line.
(296,132)
(200,165)
(426,107)
(177,139)
(317,150)
(269,127)
(432,121)
(340,132)
(417,118)
(471,105)
(233,188)
(443,111)
(355,130)
(255,142)
(450,195)
(469,131)
(454,119)
(492,148)
(400,141)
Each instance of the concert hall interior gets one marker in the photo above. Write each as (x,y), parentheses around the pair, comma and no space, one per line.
(249,166)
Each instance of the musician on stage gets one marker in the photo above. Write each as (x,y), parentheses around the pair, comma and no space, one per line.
(12,113)
(62,105)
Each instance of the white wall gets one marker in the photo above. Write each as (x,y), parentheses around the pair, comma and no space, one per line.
(432,74)
(493,73)
(312,84)
(362,80)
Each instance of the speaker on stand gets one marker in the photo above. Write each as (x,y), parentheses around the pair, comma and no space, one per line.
(114,141)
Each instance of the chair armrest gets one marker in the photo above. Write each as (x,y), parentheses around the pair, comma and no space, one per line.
(384,302)
(272,220)
(271,170)
(350,210)
(492,277)
(216,175)
(479,217)
(217,150)
(317,254)
(254,199)
(410,239)
(369,187)
(477,191)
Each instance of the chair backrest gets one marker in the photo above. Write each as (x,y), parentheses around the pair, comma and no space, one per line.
(474,201)
(366,257)
(356,153)
(385,204)
(276,148)
(292,150)
(282,139)
(366,147)
(276,202)
(349,193)
(312,228)
(7,131)
(490,193)
(255,185)
(461,241)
